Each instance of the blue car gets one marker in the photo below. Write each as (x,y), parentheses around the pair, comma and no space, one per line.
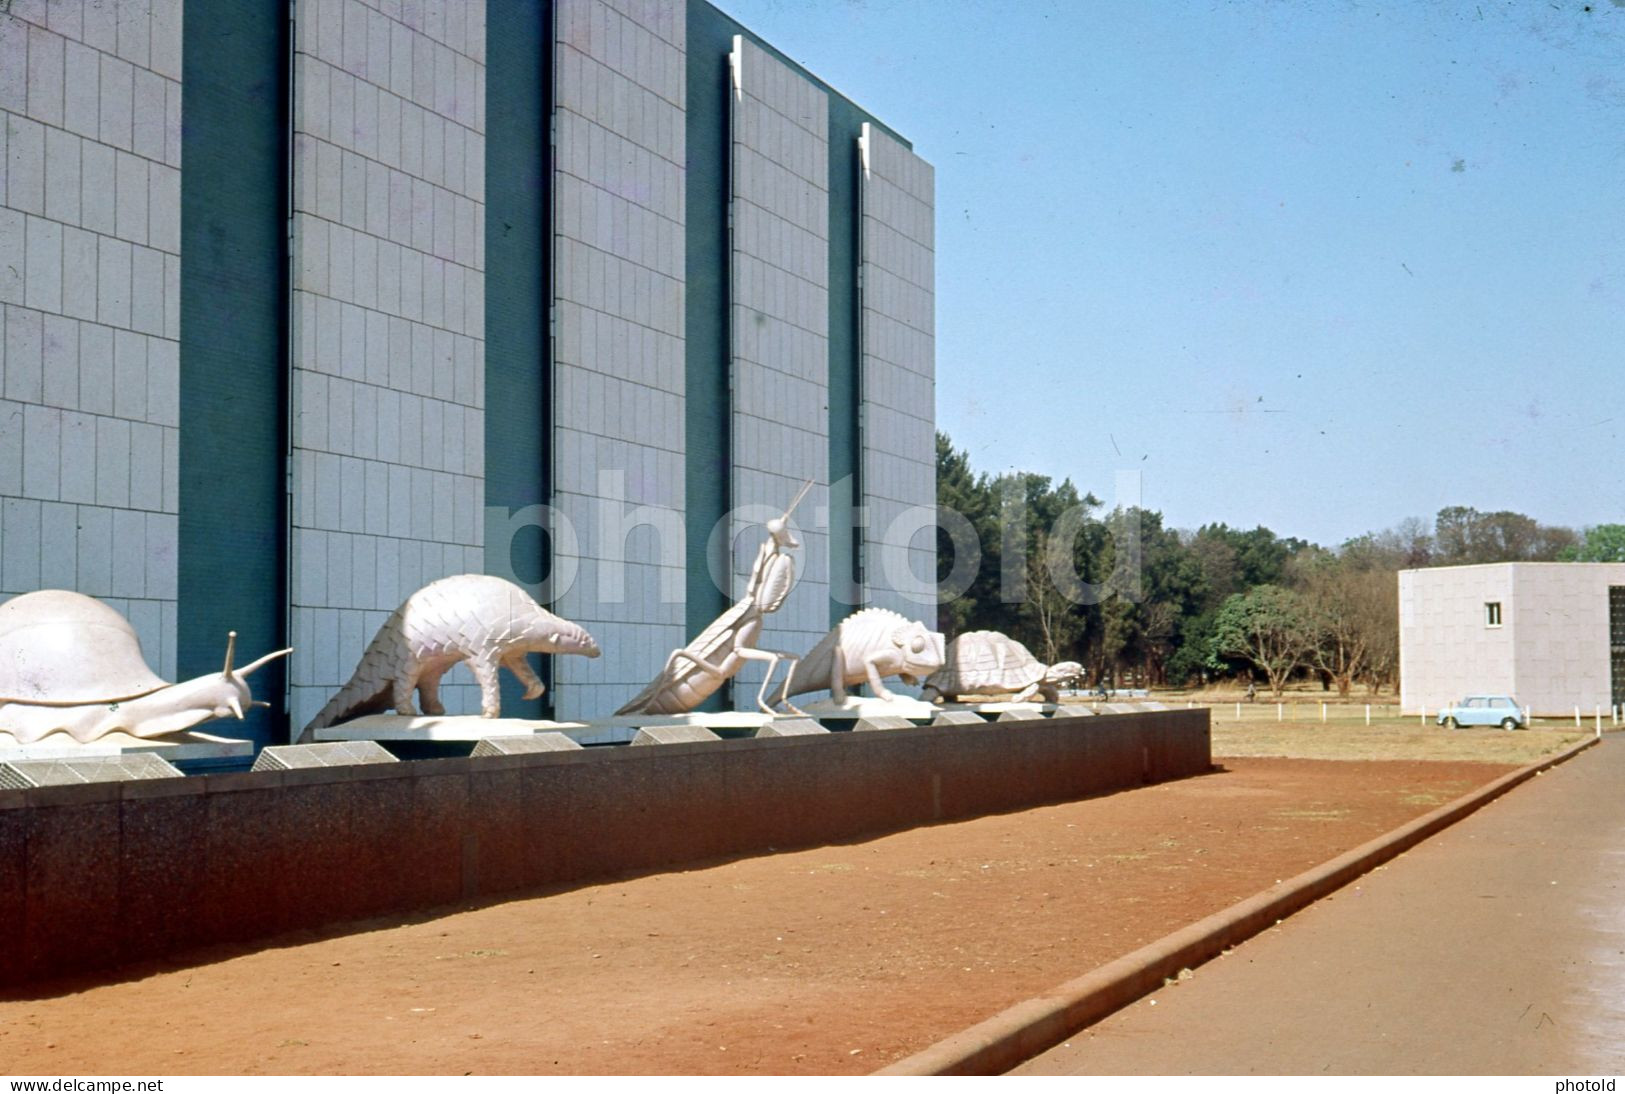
(1484,710)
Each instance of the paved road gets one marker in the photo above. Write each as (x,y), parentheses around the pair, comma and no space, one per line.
(1497,947)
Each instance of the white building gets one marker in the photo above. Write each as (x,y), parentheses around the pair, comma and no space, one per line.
(304,305)
(1550,634)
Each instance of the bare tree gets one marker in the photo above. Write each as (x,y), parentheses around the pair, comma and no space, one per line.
(1350,612)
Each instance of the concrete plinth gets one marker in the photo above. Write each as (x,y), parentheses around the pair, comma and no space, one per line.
(856,707)
(710,719)
(451,727)
(1002,706)
(176,748)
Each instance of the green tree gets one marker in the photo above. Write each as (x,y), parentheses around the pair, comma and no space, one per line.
(1043,559)
(1603,543)
(967,530)
(1261,556)
(1268,626)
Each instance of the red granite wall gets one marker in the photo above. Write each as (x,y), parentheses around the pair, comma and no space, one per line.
(100,875)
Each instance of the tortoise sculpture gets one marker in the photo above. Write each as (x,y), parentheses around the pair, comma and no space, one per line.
(990,663)
(70,664)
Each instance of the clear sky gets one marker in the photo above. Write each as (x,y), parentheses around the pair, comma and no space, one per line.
(1319,265)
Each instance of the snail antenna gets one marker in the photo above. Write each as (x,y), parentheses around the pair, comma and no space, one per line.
(248,668)
(231,650)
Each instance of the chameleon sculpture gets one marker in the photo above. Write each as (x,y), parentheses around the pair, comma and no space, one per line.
(866,646)
(71,664)
(483,620)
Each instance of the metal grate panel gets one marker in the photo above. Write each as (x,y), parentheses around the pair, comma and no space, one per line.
(26,774)
(326,754)
(521,744)
(882,721)
(791,727)
(673,735)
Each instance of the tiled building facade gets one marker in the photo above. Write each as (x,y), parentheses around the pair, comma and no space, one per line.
(1549,634)
(305,307)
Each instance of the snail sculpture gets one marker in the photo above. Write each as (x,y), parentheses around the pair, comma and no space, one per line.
(70,664)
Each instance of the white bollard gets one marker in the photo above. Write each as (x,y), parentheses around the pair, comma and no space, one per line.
(1368,714)
(1323,712)
(1279,714)
(1576,716)
(1238,712)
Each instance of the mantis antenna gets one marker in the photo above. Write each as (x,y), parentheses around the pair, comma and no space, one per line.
(801,494)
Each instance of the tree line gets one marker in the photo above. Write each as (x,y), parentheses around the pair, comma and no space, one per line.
(1140,604)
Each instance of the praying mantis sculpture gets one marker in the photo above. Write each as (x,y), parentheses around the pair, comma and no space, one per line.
(694,672)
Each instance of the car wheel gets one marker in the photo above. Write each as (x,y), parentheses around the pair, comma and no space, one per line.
(1509,724)
(1452,723)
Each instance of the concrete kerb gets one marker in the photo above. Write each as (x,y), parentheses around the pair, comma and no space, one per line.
(1023,1031)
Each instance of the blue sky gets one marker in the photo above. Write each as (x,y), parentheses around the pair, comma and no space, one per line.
(1320,266)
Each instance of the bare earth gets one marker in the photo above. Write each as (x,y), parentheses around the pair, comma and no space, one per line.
(834,960)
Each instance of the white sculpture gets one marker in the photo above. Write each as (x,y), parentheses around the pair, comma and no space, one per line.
(990,663)
(864,647)
(70,664)
(483,620)
(693,673)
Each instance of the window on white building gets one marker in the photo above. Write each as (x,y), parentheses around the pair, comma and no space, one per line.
(1492,613)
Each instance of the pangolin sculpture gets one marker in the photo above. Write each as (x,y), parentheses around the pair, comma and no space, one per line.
(486,621)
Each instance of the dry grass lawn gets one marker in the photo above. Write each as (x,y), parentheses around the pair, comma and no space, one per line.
(1343,737)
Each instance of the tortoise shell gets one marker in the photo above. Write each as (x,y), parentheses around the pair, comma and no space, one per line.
(986,661)
(61,648)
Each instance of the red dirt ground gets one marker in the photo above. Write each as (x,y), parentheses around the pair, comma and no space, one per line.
(833,960)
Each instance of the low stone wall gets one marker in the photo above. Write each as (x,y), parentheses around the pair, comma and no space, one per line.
(99,875)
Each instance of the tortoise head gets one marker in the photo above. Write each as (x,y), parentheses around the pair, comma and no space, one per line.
(1062,671)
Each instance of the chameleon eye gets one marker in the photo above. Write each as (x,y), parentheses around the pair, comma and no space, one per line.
(918,645)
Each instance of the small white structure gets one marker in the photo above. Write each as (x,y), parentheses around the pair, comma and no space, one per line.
(1550,634)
